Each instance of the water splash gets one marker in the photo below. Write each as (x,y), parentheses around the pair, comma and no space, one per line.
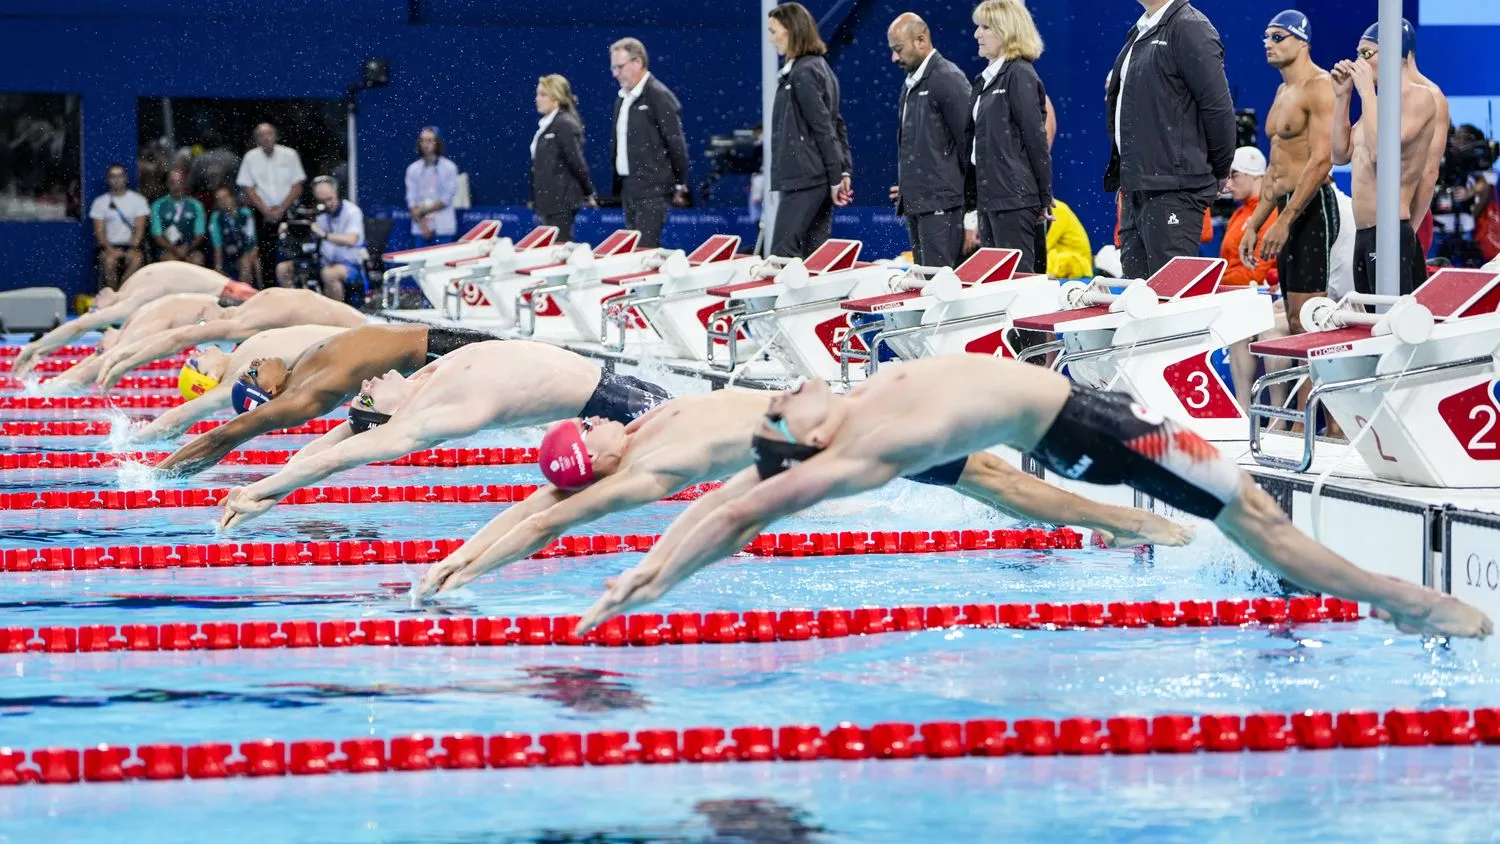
(122,430)
(134,475)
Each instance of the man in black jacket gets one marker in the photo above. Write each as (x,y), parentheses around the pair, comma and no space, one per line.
(1172,122)
(933,124)
(647,146)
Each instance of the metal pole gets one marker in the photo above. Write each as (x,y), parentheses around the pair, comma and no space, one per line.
(1388,153)
(353,142)
(768,81)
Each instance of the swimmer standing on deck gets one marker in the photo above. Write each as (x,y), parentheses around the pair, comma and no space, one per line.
(597,467)
(812,445)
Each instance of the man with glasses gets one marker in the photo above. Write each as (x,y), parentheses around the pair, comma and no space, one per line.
(647,147)
(492,384)
(340,230)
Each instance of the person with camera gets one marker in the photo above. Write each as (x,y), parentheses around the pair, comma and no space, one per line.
(810,167)
(178,222)
(119,217)
(231,232)
(934,122)
(338,235)
(560,181)
(1465,191)
(431,186)
(647,147)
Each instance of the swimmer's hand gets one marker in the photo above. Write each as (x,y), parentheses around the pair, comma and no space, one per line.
(451,572)
(635,587)
(1445,616)
(241,507)
(1152,530)
(25,361)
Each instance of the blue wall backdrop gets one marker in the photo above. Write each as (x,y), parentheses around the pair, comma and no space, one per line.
(470,67)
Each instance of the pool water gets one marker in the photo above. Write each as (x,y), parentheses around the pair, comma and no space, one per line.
(78,700)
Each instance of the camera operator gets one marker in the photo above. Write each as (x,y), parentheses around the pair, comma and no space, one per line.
(1466,183)
(338,231)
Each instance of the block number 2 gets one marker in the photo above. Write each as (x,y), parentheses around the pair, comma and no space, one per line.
(1478,442)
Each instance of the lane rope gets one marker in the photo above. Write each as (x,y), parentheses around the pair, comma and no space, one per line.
(102,428)
(56,365)
(678,628)
(433,457)
(397,552)
(846,741)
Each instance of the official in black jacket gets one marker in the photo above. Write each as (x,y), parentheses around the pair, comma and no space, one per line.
(647,150)
(560,181)
(809,145)
(1009,150)
(1172,122)
(930,142)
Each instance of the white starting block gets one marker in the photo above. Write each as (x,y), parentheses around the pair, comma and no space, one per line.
(797,316)
(1424,375)
(417,263)
(1154,340)
(467,281)
(940,311)
(540,293)
(672,300)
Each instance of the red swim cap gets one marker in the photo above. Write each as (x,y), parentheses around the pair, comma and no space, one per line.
(564,458)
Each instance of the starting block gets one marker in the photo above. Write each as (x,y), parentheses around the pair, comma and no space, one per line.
(1424,375)
(568,294)
(416,264)
(672,300)
(1155,338)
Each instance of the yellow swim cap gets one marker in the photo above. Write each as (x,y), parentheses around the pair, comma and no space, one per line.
(193,383)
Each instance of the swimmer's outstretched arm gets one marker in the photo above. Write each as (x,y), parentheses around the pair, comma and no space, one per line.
(68,331)
(546,496)
(79,376)
(732,525)
(121,360)
(180,418)
(623,491)
(285,411)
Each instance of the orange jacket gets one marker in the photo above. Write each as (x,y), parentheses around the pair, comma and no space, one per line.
(1236,272)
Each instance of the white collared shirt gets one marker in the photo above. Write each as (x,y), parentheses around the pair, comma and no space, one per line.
(272,175)
(622,160)
(986,77)
(541,126)
(1142,26)
(913,78)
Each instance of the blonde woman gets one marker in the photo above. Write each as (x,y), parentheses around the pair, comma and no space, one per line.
(560,181)
(1009,150)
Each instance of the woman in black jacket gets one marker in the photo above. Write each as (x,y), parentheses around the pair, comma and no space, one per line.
(560,180)
(810,148)
(1009,150)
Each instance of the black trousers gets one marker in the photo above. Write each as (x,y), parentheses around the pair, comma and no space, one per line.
(645,214)
(268,244)
(804,219)
(1412,261)
(937,239)
(1017,229)
(564,222)
(1157,226)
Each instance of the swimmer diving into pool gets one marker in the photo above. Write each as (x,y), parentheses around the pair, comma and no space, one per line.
(493,384)
(596,468)
(112,308)
(207,380)
(812,445)
(279,308)
(161,315)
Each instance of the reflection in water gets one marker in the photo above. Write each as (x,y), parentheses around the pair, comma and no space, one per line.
(739,821)
(217,602)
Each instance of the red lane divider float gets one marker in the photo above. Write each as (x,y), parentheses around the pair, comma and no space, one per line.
(678,628)
(100,428)
(129,382)
(984,737)
(88,402)
(394,552)
(113,499)
(436,457)
(54,365)
(73,350)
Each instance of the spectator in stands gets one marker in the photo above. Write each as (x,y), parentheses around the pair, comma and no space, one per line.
(271,176)
(215,167)
(647,147)
(1009,150)
(231,230)
(1246,176)
(810,165)
(341,248)
(119,217)
(178,222)
(1068,252)
(560,181)
(431,185)
(151,171)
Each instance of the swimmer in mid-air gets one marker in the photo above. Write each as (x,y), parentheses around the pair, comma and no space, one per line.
(596,468)
(112,308)
(154,318)
(812,445)
(493,384)
(207,380)
(268,309)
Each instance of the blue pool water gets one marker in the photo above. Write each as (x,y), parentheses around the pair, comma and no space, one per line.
(77,700)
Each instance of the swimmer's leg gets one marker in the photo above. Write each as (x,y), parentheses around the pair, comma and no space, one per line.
(989,479)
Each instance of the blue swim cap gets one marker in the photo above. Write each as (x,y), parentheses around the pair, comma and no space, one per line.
(246,396)
(1294,22)
(1408,36)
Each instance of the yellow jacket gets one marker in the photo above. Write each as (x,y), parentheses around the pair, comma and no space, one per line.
(1068,252)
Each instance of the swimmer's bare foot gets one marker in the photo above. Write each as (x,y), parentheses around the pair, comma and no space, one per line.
(1153,530)
(1445,616)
